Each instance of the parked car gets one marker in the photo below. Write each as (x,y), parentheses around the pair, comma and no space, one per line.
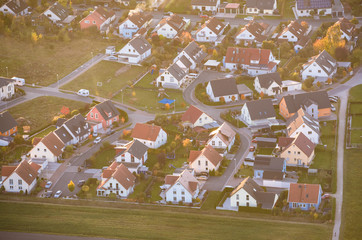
(48,194)
(58,194)
(81,183)
(97,140)
(252,149)
(48,185)
(204,16)
(333,108)
(95,134)
(333,99)
(202,178)
(83,92)
(249,18)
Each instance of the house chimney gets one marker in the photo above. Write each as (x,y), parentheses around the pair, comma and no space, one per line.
(18,2)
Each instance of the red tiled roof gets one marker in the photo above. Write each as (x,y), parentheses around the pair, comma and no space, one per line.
(303,193)
(244,55)
(192,114)
(6,171)
(146,131)
(26,172)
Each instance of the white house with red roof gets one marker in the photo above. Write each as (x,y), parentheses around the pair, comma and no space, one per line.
(133,155)
(100,18)
(102,116)
(255,60)
(181,188)
(116,179)
(205,5)
(194,117)
(304,196)
(206,160)
(222,138)
(20,178)
(49,148)
(152,136)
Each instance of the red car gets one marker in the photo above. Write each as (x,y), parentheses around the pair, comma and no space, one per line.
(204,16)
(252,149)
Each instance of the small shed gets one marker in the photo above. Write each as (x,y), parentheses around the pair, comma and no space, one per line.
(244,91)
(266,142)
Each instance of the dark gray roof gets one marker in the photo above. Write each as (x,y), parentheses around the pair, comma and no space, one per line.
(313,4)
(261,109)
(267,79)
(59,10)
(265,199)
(77,125)
(224,87)
(185,61)
(325,61)
(137,149)
(295,102)
(273,175)
(60,122)
(260,4)
(140,44)
(17,6)
(215,25)
(195,52)
(204,2)
(5,81)
(256,29)
(63,134)
(176,71)
(140,18)
(268,163)
(7,122)
(105,108)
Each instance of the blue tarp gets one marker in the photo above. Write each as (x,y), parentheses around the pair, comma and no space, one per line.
(165,101)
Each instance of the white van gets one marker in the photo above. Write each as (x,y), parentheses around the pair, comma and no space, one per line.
(83,92)
(19,81)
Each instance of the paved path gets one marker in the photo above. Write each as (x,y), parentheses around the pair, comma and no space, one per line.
(42,236)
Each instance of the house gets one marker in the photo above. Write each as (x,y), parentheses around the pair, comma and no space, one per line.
(151,135)
(269,84)
(348,29)
(229,8)
(255,60)
(206,160)
(133,23)
(194,117)
(249,194)
(133,155)
(269,167)
(49,148)
(266,7)
(205,5)
(100,18)
(302,122)
(8,125)
(15,7)
(321,67)
(308,8)
(258,112)
(294,32)
(21,178)
(116,179)
(222,138)
(7,88)
(299,152)
(193,53)
(304,196)
(175,75)
(252,32)
(56,13)
(172,26)
(223,90)
(316,104)
(245,92)
(64,135)
(102,116)
(289,86)
(78,128)
(181,188)
(135,51)
(211,31)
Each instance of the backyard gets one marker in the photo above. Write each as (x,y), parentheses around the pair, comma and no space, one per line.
(39,112)
(162,224)
(106,78)
(40,63)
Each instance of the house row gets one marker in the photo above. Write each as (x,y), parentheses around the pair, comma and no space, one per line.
(100,19)
(270,84)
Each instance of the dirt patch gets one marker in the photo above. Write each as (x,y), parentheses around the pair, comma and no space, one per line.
(122,70)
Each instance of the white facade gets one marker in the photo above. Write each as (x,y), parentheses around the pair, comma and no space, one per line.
(53,17)
(245,116)
(245,35)
(202,8)
(7,91)
(289,85)
(265,11)
(127,157)
(216,142)
(243,199)
(41,151)
(160,140)
(308,132)
(202,164)
(203,120)
(129,52)
(168,79)
(6,10)
(306,12)
(314,70)
(269,91)
(14,183)
(178,193)
(167,31)
(206,35)
(127,29)
(113,186)
(227,98)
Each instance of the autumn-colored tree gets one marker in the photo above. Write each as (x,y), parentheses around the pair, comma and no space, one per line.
(215,53)
(222,99)
(261,94)
(331,41)
(186,143)
(35,37)
(319,84)
(350,69)
(123,119)
(71,186)
(233,98)
(242,97)
(167,106)
(126,133)
(133,93)
(341,53)
(304,24)
(344,73)
(183,105)
(85,188)
(329,80)
(186,37)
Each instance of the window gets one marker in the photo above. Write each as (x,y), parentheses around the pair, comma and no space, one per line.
(206,163)
(237,196)
(309,132)
(96,115)
(220,144)
(199,163)
(213,143)
(132,158)
(86,21)
(11,181)
(38,149)
(45,150)
(298,153)
(91,115)
(183,192)
(94,22)
(174,192)
(288,152)
(110,185)
(247,204)
(116,185)
(319,71)
(20,182)
(247,197)
(11,187)
(183,199)
(174,199)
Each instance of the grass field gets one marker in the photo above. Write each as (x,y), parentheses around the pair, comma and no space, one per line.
(15,154)
(40,111)
(147,224)
(41,63)
(352,196)
(45,132)
(103,158)
(106,73)
(356,136)
(177,6)
(211,201)
(357,121)
(285,8)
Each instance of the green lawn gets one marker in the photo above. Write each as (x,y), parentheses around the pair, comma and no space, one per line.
(285,8)
(40,111)
(355,93)
(156,190)
(265,151)
(128,223)
(103,158)
(356,136)
(42,62)
(357,121)
(45,132)
(140,188)
(15,154)
(145,82)
(212,200)
(352,196)
(177,6)
(245,171)
(105,78)
(355,108)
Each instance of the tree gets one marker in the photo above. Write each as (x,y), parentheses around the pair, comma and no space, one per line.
(167,106)
(63,2)
(341,53)
(33,3)
(35,37)
(329,80)
(71,186)
(331,41)
(308,83)
(74,112)
(215,53)
(222,99)
(233,98)
(304,24)
(242,97)
(186,143)
(354,20)
(268,45)
(261,94)
(123,119)
(85,188)
(319,84)
(133,93)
